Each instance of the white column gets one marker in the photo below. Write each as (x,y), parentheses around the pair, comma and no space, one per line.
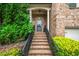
(48,19)
(30,11)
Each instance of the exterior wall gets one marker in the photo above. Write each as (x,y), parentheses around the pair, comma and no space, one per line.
(57,25)
(72,19)
(60,17)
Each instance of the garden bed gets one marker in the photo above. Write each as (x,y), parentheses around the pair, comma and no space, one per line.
(11,49)
(66,46)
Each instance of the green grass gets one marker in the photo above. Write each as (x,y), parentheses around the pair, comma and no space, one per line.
(66,46)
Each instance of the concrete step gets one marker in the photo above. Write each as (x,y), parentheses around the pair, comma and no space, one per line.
(40,52)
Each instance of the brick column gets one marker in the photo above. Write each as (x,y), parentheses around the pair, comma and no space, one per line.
(57,20)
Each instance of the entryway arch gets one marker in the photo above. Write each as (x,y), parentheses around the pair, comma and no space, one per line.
(39,8)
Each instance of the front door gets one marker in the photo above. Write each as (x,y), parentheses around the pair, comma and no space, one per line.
(39,25)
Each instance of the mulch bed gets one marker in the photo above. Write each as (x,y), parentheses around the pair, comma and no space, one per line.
(13,45)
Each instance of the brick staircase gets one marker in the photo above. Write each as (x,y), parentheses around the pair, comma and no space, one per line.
(40,46)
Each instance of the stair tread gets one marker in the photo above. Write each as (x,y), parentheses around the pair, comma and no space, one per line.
(40,52)
(39,43)
(40,55)
(47,47)
(39,37)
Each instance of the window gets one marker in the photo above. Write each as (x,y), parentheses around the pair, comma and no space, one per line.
(71,5)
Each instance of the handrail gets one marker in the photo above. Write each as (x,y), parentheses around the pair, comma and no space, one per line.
(27,44)
(49,40)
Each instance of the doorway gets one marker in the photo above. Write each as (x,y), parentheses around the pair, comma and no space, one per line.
(39,24)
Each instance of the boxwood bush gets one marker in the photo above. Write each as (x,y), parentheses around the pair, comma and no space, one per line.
(66,46)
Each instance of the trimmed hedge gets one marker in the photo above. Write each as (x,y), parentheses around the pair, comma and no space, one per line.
(66,46)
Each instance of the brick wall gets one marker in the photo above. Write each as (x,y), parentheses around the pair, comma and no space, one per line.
(62,17)
(57,25)
(72,19)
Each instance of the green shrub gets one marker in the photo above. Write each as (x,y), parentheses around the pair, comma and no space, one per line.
(11,52)
(15,24)
(11,33)
(66,46)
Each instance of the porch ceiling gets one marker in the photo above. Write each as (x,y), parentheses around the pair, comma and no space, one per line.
(39,11)
(47,5)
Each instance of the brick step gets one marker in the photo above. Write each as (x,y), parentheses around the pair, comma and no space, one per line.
(40,52)
(39,44)
(39,32)
(40,47)
(39,37)
(40,40)
(39,55)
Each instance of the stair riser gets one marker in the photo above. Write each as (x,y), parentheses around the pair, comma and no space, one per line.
(39,44)
(40,36)
(40,54)
(39,48)
(39,41)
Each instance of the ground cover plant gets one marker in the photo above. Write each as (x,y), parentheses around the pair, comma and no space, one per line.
(66,46)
